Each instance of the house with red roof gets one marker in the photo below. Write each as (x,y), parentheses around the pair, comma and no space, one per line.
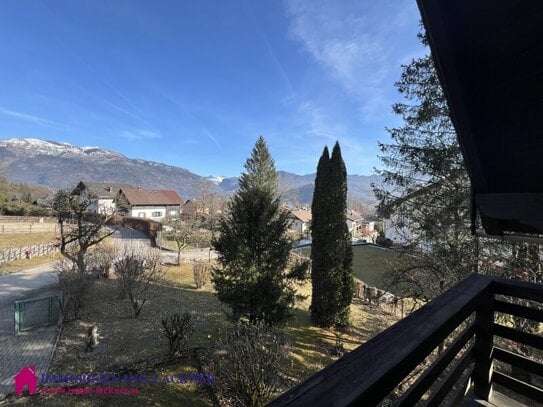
(155,204)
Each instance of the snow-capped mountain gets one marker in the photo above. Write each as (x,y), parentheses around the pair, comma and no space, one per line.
(63,165)
(215,180)
(34,146)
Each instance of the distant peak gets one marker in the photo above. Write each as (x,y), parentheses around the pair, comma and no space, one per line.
(37,146)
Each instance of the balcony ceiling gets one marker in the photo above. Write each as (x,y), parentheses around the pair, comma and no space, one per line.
(489,56)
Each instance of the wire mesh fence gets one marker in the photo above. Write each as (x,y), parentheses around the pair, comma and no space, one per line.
(35,312)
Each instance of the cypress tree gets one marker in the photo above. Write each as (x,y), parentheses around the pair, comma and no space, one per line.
(319,258)
(331,251)
(253,278)
(342,238)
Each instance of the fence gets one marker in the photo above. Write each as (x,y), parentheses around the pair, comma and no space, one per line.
(37,312)
(8,255)
(28,227)
(26,219)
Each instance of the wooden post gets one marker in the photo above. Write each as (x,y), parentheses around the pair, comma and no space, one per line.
(484,344)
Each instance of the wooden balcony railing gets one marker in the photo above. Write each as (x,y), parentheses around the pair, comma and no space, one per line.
(371,372)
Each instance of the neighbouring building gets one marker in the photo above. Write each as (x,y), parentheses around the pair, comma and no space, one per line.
(300,221)
(192,207)
(101,195)
(153,204)
(354,223)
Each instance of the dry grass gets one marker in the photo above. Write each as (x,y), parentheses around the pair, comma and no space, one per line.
(16,240)
(23,264)
(128,340)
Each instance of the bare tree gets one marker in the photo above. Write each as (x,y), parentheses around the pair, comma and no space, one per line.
(136,272)
(79,229)
(177,328)
(182,232)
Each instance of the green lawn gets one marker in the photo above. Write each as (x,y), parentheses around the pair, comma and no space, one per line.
(369,263)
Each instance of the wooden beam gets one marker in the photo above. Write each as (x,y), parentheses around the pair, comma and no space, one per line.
(519,361)
(423,383)
(518,336)
(519,387)
(519,310)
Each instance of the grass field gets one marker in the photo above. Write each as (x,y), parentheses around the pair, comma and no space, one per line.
(16,240)
(369,263)
(128,341)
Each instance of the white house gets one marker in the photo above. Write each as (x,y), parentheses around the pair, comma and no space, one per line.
(300,221)
(354,223)
(101,195)
(152,204)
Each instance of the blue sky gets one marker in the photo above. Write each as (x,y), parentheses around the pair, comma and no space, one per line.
(194,83)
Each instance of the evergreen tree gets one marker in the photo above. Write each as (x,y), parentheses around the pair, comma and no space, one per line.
(342,238)
(331,251)
(427,189)
(254,279)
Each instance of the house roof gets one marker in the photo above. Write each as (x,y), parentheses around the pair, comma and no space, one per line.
(354,216)
(352,212)
(303,215)
(140,196)
(489,60)
(101,189)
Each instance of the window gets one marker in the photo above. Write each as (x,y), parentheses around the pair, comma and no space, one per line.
(156,214)
(141,214)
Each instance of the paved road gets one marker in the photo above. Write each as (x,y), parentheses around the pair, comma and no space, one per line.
(33,347)
(170,257)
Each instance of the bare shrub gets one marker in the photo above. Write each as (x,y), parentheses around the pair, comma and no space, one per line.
(200,273)
(177,328)
(248,361)
(77,287)
(101,259)
(136,272)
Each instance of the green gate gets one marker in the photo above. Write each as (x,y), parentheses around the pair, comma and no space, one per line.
(37,312)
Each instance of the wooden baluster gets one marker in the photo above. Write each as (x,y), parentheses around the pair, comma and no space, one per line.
(484,344)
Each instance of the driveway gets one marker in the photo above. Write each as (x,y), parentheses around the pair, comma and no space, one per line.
(130,240)
(32,347)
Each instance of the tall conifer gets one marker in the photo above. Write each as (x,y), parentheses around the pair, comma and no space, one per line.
(331,251)
(253,278)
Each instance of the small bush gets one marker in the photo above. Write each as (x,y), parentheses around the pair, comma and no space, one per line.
(177,328)
(136,272)
(200,273)
(101,260)
(248,361)
(77,287)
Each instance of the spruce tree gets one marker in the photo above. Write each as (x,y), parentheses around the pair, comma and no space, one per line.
(253,278)
(426,187)
(331,251)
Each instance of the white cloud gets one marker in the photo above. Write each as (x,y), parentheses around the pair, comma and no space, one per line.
(139,134)
(356,43)
(32,119)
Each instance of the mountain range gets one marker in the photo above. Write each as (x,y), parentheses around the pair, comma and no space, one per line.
(62,165)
